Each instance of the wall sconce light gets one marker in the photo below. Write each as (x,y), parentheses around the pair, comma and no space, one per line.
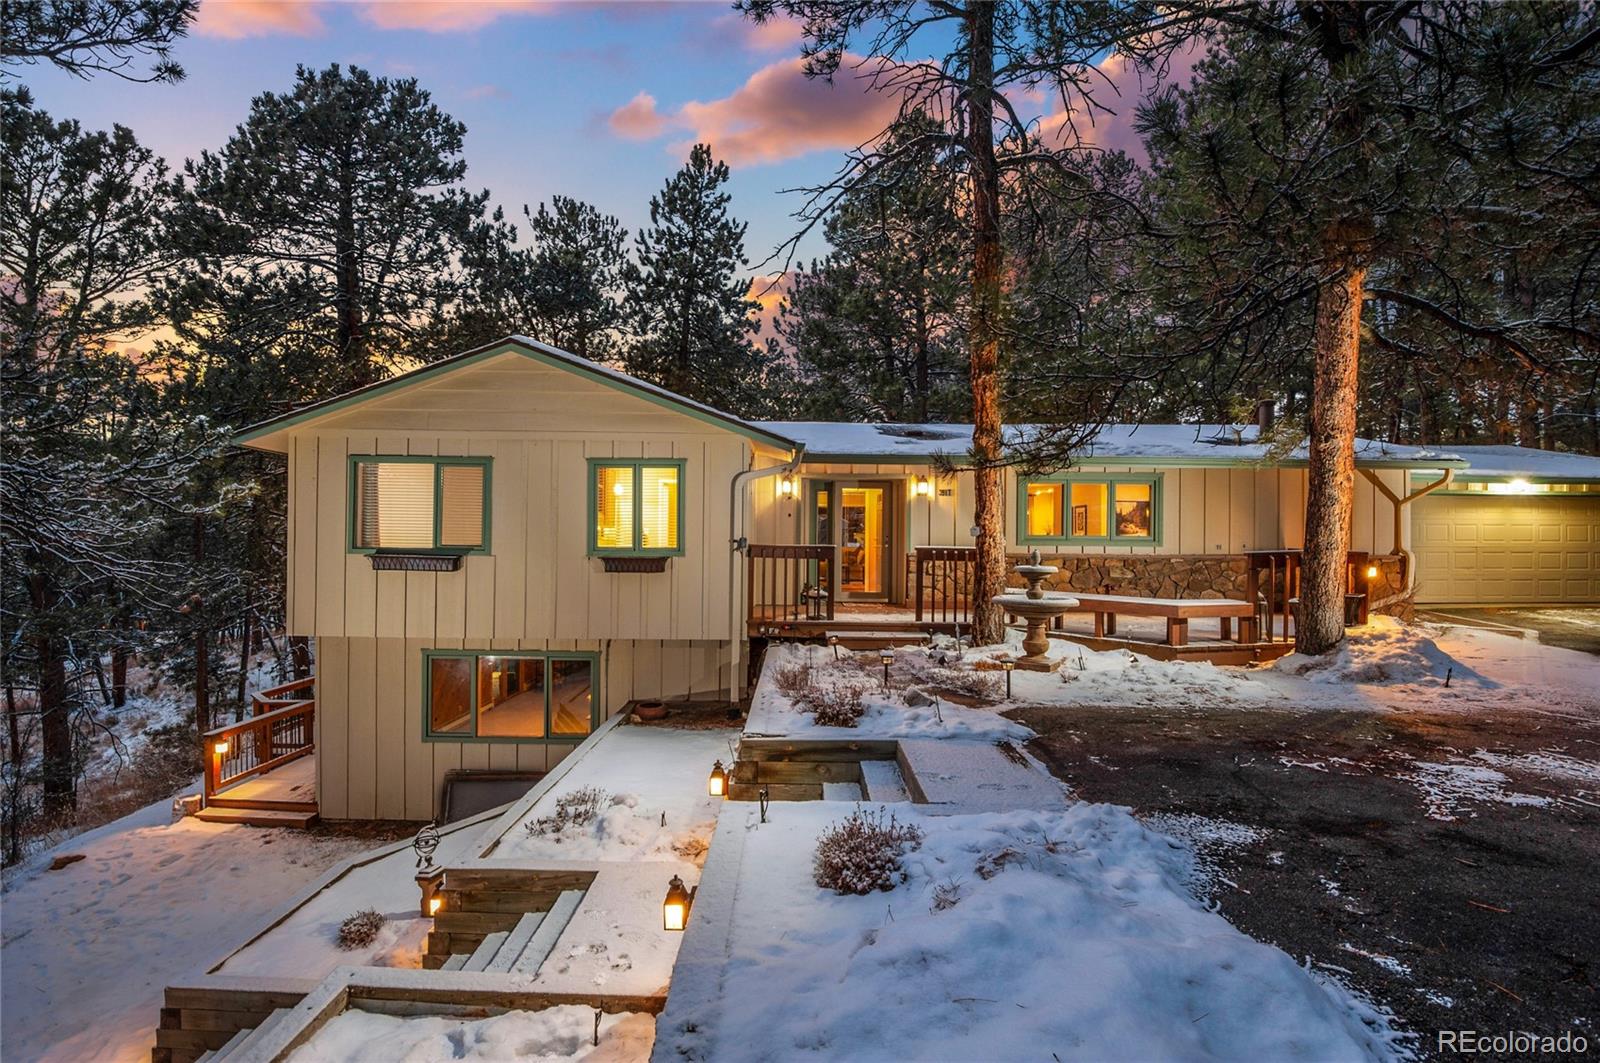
(886,658)
(434,904)
(220,747)
(717,782)
(786,485)
(924,487)
(1372,572)
(675,909)
(1008,667)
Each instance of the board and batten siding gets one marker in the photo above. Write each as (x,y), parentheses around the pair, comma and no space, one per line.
(372,759)
(1203,510)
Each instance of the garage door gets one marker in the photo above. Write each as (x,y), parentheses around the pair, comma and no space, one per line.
(1506,549)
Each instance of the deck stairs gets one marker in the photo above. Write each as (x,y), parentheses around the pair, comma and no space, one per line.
(523,948)
(219,812)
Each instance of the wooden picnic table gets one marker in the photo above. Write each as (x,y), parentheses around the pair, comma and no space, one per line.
(1177,611)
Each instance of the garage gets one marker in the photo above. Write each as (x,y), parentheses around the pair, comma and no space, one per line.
(1540,546)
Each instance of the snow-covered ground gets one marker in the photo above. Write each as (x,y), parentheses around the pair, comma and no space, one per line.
(561,1033)
(1072,935)
(88,949)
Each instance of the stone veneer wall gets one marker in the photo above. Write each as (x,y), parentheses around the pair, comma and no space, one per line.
(1189,576)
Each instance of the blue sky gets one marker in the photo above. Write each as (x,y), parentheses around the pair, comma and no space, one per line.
(597,101)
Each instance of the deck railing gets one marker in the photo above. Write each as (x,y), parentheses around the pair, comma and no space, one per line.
(943,583)
(791,582)
(1274,584)
(281,728)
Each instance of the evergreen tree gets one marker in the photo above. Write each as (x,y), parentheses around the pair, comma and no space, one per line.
(688,309)
(86,37)
(345,195)
(93,466)
(875,326)
(578,270)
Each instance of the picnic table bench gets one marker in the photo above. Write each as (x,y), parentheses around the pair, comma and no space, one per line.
(1177,611)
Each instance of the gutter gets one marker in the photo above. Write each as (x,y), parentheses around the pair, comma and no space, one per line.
(1400,502)
(737,544)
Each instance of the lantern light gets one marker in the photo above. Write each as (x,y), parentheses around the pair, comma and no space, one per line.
(717,782)
(786,485)
(923,488)
(675,909)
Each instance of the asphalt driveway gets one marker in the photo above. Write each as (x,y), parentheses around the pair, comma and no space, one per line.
(1575,627)
(1446,864)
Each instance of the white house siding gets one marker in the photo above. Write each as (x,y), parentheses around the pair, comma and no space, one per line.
(1507,549)
(373,762)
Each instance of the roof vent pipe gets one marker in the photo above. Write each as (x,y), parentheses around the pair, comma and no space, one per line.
(1264,413)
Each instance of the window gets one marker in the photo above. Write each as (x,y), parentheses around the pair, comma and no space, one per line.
(636,507)
(431,505)
(510,697)
(1089,509)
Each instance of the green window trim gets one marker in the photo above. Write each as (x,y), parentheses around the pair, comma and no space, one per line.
(596,710)
(638,465)
(438,462)
(1110,482)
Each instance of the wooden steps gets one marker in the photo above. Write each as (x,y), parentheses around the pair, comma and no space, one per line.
(257,817)
(224,801)
(796,770)
(523,948)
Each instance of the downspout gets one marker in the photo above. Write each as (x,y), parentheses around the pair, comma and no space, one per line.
(737,545)
(1399,504)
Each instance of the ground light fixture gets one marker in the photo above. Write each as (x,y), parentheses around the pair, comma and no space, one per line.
(886,658)
(1008,667)
(717,781)
(833,640)
(675,909)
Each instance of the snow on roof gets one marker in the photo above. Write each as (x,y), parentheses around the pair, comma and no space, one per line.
(1511,463)
(1222,444)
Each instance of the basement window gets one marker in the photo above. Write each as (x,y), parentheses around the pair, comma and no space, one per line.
(509,697)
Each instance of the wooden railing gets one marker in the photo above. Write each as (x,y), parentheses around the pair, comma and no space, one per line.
(1278,595)
(943,585)
(788,583)
(281,728)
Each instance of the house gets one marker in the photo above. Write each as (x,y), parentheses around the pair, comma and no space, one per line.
(497,551)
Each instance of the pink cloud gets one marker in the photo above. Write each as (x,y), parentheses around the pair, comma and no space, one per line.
(446,16)
(638,119)
(779,113)
(734,30)
(1118,92)
(236,19)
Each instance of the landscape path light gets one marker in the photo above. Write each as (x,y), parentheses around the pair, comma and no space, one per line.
(1008,666)
(886,658)
(717,781)
(675,908)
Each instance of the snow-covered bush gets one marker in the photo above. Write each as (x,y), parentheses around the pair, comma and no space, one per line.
(982,686)
(794,681)
(836,705)
(862,852)
(361,929)
(576,809)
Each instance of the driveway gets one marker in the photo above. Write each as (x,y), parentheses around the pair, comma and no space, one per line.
(1444,863)
(1574,627)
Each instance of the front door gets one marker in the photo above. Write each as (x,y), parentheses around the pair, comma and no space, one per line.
(864,539)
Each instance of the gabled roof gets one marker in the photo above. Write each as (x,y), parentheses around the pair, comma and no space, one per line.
(1148,444)
(539,352)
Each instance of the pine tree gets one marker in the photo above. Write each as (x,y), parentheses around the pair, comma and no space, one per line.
(344,194)
(86,37)
(688,310)
(578,268)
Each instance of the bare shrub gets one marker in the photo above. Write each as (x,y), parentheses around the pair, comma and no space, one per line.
(946,895)
(361,929)
(576,809)
(794,681)
(836,705)
(862,852)
(984,686)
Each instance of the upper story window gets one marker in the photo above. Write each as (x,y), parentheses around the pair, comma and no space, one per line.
(636,506)
(419,504)
(1103,510)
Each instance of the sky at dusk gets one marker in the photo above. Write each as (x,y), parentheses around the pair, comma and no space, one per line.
(596,101)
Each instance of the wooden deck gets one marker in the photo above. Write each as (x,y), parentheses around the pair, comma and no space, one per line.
(294,783)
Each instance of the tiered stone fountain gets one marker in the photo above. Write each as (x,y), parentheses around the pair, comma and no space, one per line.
(1037,607)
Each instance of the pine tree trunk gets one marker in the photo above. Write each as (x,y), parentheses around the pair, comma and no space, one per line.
(983,341)
(1331,478)
(119,676)
(55,723)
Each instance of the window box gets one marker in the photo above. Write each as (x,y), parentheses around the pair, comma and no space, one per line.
(392,561)
(1090,510)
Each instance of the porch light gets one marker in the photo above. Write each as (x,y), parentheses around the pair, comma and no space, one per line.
(886,658)
(923,488)
(786,485)
(675,909)
(1008,667)
(717,783)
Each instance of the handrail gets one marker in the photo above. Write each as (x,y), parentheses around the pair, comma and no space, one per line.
(944,582)
(281,729)
(778,578)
